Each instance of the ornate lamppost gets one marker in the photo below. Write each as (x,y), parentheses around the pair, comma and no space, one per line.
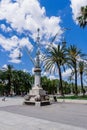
(37,96)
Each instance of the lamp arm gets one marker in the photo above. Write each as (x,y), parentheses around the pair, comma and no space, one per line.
(30,56)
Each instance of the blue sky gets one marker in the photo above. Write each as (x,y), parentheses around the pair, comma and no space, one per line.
(20,19)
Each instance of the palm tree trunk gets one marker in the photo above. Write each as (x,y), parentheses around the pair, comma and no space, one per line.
(9,85)
(81,77)
(76,90)
(60,77)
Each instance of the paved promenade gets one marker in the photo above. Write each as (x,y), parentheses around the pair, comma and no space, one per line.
(58,116)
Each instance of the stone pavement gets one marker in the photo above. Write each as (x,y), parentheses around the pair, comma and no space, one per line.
(13,121)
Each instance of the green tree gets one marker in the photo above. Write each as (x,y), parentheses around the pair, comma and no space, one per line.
(70,80)
(16,80)
(7,72)
(55,58)
(50,86)
(81,70)
(21,81)
(74,54)
(82,19)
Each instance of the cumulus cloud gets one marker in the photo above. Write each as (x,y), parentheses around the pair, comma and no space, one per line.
(28,15)
(66,73)
(44,73)
(4,28)
(76,5)
(13,60)
(14,55)
(4,66)
(14,44)
(25,70)
(24,16)
(52,77)
(8,43)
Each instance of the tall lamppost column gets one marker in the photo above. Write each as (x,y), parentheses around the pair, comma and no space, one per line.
(37,95)
(37,72)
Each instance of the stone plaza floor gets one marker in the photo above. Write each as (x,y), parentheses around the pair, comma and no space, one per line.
(57,116)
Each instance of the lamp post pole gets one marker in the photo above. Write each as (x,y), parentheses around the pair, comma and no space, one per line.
(37,69)
(37,96)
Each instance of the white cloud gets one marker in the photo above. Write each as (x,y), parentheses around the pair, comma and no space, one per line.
(15,61)
(83,60)
(14,54)
(25,70)
(66,73)
(26,15)
(76,5)
(51,77)
(4,28)
(29,15)
(44,73)
(8,43)
(4,66)
(13,45)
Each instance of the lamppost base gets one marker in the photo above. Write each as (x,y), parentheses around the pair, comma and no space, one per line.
(37,97)
(37,104)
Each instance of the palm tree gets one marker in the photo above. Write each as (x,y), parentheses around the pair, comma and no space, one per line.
(81,70)
(54,59)
(8,75)
(74,54)
(70,79)
(82,19)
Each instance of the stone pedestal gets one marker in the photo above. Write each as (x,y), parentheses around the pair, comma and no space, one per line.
(37,96)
